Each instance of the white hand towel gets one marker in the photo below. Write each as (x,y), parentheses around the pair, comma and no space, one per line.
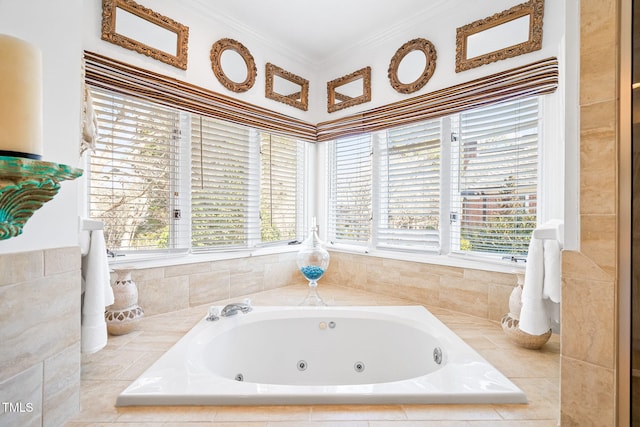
(552,268)
(534,319)
(97,295)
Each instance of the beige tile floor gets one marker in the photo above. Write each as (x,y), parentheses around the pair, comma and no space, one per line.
(106,373)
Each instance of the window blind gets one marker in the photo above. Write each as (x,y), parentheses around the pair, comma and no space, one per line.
(495,197)
(410,187)
(133,173)
(281,188)
(350,189)
(224,184)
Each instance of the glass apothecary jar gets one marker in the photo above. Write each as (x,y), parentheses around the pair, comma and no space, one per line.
(313,260)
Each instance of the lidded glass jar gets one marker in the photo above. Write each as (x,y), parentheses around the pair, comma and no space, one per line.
(313,261)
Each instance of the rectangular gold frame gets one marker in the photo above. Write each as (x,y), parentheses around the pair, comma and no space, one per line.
(533,8)
(109,33)
(297,99)
(346,101)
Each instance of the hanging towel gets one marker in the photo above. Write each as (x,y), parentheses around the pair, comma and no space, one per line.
(534,319)
(97,294)
(552,267)
(541,293)
(552,289)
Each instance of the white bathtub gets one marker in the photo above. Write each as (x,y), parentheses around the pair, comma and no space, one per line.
(321,355)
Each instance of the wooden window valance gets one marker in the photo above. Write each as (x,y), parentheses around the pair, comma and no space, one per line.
(107,73)
(537,78)
(533,79)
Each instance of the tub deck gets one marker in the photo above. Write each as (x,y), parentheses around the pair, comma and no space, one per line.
(107,373)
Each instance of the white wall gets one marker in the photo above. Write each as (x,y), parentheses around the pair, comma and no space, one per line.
(204,30)
(55,27)
(439,29)
(62,29)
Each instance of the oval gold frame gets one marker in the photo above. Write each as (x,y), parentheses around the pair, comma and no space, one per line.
(216,53)
(426,47)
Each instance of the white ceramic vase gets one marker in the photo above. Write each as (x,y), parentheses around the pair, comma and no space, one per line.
(124,314)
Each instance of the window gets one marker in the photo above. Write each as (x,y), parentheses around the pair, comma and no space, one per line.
(162,179)
(465,183)
(224,200)
(134,173)
(402,188)
(282,187)
(409,214)
(494,201)
(350,172)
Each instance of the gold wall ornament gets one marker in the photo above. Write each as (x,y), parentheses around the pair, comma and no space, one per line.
(132,26)
(349,90)
(296,86)
(217,50)
(26,185)
(420,45)
(526,18)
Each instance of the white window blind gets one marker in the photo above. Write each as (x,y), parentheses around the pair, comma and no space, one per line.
(224,184)
(350,169)
(281,187)
(410,187)
(494,199)
(133,179)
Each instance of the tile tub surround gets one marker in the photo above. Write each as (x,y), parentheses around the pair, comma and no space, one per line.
(484,294)
(39,337)
(106,373)
(177,287)
(480,293)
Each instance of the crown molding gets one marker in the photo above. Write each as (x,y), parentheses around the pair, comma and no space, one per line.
(203,8)
(391,32)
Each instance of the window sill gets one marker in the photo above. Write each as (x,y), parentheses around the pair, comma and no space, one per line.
(450,260)
(139,262)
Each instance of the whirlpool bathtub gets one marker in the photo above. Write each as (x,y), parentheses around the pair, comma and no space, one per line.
(321,355)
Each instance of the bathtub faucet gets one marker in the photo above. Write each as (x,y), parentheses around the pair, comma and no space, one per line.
(235,307)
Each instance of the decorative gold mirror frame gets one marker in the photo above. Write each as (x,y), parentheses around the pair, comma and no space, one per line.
(216,53)
(346,101)
(299,99)
(533,8)
(426,47)
(109,33)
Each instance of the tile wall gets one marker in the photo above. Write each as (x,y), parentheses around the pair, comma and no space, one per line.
(40,337)
(40,319)
(589,312)
(479,293)
(40,309)
(166,289)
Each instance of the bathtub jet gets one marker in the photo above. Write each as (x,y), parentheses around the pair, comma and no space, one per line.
(322,355)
